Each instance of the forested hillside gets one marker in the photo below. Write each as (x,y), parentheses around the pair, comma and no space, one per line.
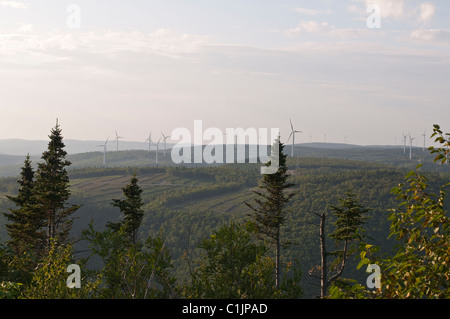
(189,204)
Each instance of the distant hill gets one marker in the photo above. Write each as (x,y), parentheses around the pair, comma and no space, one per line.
(22,147)
(89,154)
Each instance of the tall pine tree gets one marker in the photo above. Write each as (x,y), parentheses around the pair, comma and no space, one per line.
(131,207)
(269,213)
(23,227)
(51,192)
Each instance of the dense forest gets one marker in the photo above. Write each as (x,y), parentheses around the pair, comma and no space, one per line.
(188,232)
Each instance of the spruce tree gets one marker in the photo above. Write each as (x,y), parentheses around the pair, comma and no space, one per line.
(131,207)
(350,217)
(51,192)
(23,227)
(269,213)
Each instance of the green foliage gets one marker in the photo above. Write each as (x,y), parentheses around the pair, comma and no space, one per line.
(420,266)
(23,224)
(233,266)
(270,211)
(291,281)
(348,231)
(344,288)
(131,271)
(443,139)
(10,290)
(131,207)
(420,269)
(50,278)
(51,193)
(350,216)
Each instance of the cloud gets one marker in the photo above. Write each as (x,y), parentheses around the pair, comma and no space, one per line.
(310,27)
(166,42)
(311,12)
(14,4)
(389,8)
(323,29)
(435,36)
(427,11)
(25,28)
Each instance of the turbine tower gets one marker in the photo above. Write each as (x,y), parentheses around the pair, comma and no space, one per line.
(117,141)
(104,151)
(293,137)
(404,143)
(410,145)
(164,141)
(157,149)
(149,140)
(424,136)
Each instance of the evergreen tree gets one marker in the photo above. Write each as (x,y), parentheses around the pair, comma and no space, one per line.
(233,267)
(269,213)
(131,207)
(132,271)
(22,228)
(350,216)
(51,192)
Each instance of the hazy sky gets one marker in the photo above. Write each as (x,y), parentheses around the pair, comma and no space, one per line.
(141,66)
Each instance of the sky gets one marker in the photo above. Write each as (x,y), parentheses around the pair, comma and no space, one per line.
(144,66)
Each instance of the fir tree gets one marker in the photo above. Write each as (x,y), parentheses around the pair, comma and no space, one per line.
(51,192)
(23,228)
(350,217)
(269,213)
(131,207)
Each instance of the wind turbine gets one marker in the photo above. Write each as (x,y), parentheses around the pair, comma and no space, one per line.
(404,143)
(157,149)
(410,145)
(164,141)
(149,140)
(117,141)
(104,151)
(293,137)
(424,136)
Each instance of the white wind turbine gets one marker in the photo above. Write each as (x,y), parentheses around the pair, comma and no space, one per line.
(157,150)
(104,151)
(410,145)
(404,142)
(164,141)
(117,141)
(149,140)
(293,137)
(424,137)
